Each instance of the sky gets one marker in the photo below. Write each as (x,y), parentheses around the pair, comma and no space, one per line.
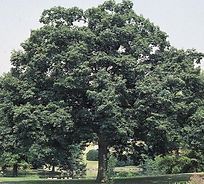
(182,20)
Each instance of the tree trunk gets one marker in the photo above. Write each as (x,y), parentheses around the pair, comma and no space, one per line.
(53,168)
(15,170)
(3,168)
(102,161)
(177,152)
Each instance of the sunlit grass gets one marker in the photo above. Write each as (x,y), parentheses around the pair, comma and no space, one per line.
(20,178)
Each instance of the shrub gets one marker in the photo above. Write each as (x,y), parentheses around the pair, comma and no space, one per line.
(197,158)
(110,171)
(92,155)
(122,163)
(169,164)
(152,167)
(175,164)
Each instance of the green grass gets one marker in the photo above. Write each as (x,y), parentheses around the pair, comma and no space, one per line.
(93,165)
(165,179)
(91,169)
(84,181)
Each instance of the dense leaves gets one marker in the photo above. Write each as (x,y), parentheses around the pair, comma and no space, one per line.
(34,133)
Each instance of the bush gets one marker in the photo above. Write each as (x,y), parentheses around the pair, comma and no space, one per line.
(152,167)
(170,164)
(122,163)
(197,159)
(176,164)
(92,155)
(110,171)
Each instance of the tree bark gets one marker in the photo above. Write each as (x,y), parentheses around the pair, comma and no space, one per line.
(15,170)
(3,168)
(53,168)
(102,161)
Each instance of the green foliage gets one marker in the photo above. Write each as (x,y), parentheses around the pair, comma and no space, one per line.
(152,167)
(122,163)
(125,159)
(110,169)
(176,164)
(197,159)
(194,129)
(92,155)
(38,134)
(169,164)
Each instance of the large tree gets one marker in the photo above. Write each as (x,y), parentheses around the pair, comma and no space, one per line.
(115,72)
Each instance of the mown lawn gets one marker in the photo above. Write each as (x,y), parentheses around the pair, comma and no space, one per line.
(165,179)
(92,168)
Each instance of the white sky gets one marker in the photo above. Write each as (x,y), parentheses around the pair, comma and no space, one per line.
(182,20)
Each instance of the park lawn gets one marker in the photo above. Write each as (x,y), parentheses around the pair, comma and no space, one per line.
(165,179)
(91,169)
(92,166)
(19,178)
(37,180)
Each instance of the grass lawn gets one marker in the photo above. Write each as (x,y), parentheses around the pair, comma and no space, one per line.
(91,169)
(92,166)
(165,179)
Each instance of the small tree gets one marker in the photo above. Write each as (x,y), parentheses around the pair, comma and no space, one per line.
(92,155)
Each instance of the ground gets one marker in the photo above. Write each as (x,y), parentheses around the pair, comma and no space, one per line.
(167,179)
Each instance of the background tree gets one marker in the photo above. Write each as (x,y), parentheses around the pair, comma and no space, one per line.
(14,137)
